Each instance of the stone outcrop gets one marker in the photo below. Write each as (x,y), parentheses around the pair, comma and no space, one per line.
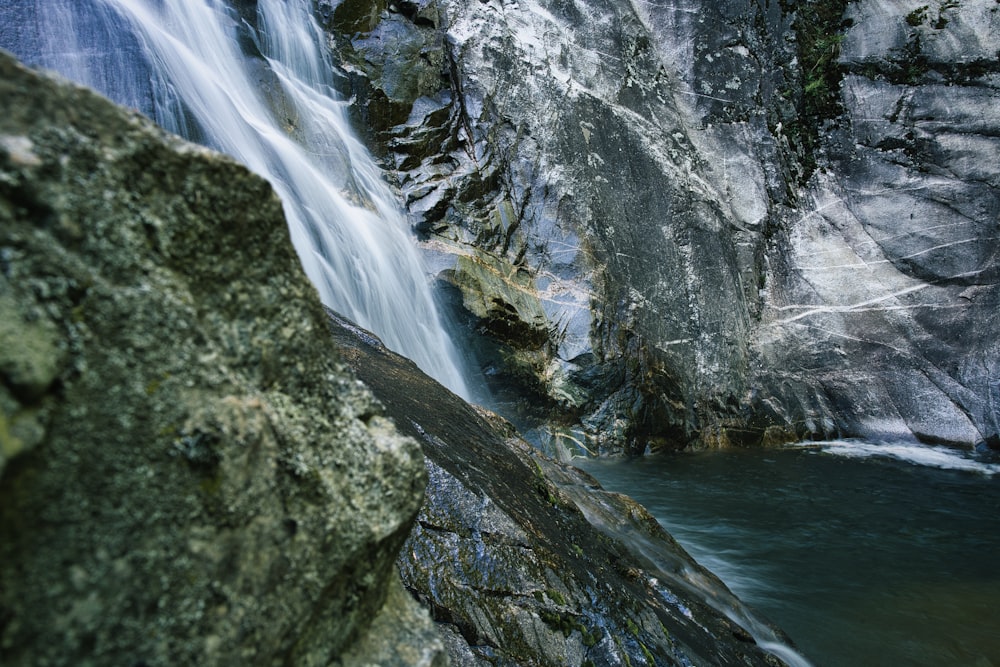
(743,223)
(188,475)
(525,561)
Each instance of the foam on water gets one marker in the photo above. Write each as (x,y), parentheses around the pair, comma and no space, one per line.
(944,458)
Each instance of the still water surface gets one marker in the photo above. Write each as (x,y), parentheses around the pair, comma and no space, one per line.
(864,556)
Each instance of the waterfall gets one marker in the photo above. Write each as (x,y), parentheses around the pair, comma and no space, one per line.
(277,113)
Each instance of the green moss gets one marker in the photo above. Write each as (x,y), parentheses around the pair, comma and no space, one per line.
(211,485)
(77,314)
(917,16)
(647,654)
(546,493)
(909,63)
(558,622)
(555,596)
(9,444)
(568,623)
(628,661)
(591,637)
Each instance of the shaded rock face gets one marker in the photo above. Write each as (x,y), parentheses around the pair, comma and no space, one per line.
(524,561)
(187,473)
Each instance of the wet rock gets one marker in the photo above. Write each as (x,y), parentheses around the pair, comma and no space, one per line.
(188,475)
(522,560)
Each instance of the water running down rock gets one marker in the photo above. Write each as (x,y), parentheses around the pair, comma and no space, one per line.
(525,561)
(259,87)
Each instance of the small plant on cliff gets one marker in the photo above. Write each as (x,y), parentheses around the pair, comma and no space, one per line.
(819,27)
(909,63)
(917,16)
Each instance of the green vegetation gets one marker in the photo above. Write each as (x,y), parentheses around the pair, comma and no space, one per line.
(647,655)
(922,16)
(819,27)
(567,623)
(591,637)
(910,64)
(917,16)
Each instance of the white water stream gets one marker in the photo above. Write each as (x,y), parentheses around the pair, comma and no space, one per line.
(345,222)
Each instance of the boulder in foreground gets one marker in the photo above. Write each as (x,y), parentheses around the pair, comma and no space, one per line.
(187,473)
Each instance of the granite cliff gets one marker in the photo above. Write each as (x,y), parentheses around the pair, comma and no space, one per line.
(697,223)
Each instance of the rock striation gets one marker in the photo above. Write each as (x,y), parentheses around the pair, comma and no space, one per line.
(707,224)
(188,475)
(525,561)
(886,286)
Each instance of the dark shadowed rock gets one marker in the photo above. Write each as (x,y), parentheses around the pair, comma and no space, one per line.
(188,475)
(524,561)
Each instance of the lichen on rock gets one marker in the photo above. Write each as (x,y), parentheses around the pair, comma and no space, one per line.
(188,474)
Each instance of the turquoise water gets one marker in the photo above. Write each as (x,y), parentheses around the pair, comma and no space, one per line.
(887,556)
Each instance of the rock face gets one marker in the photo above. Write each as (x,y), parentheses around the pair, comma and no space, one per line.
(524,561)
(188,475)
(886,286)
(703,223)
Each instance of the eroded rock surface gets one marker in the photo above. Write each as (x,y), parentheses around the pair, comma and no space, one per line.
(886,288)
(188,475)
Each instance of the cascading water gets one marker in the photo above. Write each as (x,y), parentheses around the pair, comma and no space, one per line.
(181,63)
